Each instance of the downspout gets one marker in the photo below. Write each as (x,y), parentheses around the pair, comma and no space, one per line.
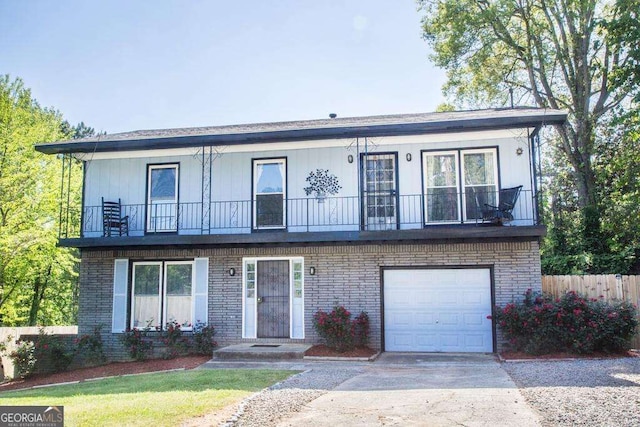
(536,172)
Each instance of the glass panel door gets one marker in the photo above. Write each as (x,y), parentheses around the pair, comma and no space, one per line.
(273,299)
(480,171)
(441,187)
(269,194)
(379,192)
(162,203)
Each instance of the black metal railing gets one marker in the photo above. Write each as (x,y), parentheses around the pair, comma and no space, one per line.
(348,213)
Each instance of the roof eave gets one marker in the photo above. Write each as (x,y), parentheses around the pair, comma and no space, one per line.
(444,126)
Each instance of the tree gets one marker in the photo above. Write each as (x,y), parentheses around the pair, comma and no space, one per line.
(623,33)
(618,170)
(36,277)
(551,52)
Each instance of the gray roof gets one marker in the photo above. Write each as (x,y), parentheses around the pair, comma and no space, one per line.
(348,127)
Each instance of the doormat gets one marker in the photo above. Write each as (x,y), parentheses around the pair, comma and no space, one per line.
(266,345)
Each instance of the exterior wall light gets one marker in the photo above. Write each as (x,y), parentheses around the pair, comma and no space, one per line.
(408,157)
(350,158)
(519,151)
(312,271)
(232,271)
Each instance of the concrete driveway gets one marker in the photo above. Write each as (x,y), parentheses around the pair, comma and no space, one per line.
(419,389)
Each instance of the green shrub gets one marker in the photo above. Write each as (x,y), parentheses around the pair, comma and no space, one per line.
(589,263)
(541,324)
(51,354)
(338,331)
(203,342)
(137,344)
(90,349)
(43,354)
(176,344)
(24,359)
(361,329)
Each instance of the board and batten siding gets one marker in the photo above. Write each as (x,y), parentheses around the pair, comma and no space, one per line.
(125,178)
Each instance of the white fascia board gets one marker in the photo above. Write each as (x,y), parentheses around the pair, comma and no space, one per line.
(454,137)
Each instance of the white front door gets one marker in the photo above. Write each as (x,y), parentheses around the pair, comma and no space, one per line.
(438,310)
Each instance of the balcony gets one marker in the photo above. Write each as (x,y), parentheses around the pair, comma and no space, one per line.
(372,217)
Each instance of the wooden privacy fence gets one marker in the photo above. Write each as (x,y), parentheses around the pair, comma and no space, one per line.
(611,287)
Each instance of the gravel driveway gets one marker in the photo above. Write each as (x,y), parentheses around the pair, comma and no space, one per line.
(581,392)
(289,396)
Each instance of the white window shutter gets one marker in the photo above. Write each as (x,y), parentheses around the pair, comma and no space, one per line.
(201,282)
(120,287)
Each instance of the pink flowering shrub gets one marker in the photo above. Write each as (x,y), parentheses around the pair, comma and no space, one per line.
(137,343)
(361,329)
(89,349)
(541,324)
(41,354)
(203,342)
(176,344)
(174,340)
(339,331)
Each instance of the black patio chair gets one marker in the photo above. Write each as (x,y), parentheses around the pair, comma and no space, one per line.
(507,198)
(114,224)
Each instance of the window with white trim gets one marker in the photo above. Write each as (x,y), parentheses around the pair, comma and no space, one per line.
(162,292)
(457,182)
(269,193)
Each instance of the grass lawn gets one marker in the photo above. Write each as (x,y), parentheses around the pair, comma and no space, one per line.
(163,399)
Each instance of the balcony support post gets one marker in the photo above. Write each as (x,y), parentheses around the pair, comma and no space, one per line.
(207,177)
(65,196)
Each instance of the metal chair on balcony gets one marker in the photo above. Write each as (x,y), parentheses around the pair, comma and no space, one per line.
(507,198)
(113,223)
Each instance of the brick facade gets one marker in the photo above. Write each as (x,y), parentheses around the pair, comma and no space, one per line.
(348,274)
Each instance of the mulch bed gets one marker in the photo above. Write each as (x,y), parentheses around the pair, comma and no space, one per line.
(322,350)
(109,370)
(519,355)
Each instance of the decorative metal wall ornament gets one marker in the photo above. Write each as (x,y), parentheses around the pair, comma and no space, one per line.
(322,184)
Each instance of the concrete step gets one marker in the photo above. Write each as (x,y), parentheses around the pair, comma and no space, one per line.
(254,351)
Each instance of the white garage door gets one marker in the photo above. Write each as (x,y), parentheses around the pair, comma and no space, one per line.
(438,310)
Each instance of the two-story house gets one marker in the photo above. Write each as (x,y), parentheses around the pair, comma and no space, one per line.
(253,228)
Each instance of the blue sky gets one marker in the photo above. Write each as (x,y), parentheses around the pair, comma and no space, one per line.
(127,65)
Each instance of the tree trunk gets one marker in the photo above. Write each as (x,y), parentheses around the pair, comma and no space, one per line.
(40,285)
